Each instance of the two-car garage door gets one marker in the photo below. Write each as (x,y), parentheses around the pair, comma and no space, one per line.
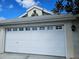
(46,40)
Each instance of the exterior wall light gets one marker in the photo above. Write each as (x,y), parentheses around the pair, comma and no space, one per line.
(73,27)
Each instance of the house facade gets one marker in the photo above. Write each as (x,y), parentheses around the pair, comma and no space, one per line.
(40,37)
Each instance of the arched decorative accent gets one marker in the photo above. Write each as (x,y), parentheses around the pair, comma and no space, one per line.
(34,13)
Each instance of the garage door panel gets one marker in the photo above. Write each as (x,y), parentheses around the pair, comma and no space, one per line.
(47,42)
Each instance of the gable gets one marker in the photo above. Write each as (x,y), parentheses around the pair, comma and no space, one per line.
(36,11)
(34,8)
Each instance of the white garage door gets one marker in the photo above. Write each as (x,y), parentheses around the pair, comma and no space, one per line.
(46,40)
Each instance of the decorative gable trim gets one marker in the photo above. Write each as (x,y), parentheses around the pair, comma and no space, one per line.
(44,11)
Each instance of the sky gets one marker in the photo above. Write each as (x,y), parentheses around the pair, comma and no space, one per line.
(14,8)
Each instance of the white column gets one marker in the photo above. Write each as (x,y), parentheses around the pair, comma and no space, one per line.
(69,41)
(2,37)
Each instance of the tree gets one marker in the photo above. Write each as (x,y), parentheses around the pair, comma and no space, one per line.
(72,6)
(59,7)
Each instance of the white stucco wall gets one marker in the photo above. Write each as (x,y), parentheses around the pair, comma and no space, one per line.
(2,39)
(76,40)
(69,41)
(72,40)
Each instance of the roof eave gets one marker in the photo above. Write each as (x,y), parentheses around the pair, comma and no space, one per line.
(46,18)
